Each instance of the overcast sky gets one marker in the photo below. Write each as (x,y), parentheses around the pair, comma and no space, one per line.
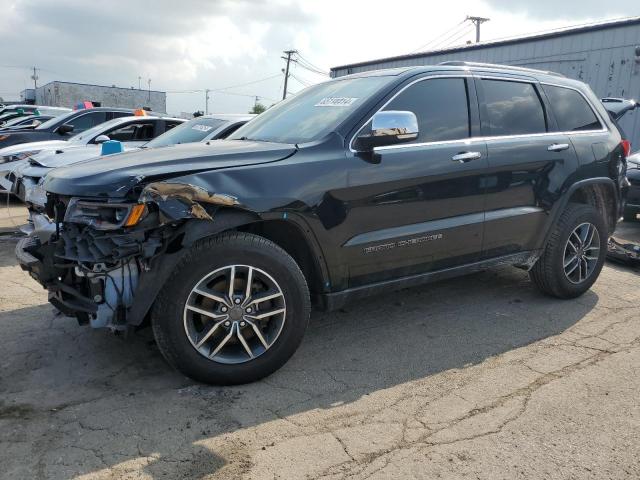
(195,44)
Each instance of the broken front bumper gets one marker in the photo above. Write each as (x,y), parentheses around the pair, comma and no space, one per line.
(94,293)
(107,280)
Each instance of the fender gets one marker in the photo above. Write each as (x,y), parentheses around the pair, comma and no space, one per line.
(561,203)
(163,265)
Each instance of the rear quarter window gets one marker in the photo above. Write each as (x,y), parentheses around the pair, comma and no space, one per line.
(572,111)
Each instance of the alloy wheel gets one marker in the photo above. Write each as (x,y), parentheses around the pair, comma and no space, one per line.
(234,314)
(581,253)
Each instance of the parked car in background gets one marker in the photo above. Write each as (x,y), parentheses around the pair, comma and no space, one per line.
(65,126)
(27,178)
(44,109)
(15,111)
(201,129)
(133,131)
(27,122)
(356,186)
(632,206)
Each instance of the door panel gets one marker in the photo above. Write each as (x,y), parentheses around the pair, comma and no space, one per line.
(527,164)
(522,181)
(416,210)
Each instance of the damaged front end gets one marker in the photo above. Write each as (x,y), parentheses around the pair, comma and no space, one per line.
(104,262)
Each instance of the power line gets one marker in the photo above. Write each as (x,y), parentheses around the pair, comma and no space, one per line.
(310,67)
(324,71)
(249,83)
(462,35)
(221,90)
(444,41)
(455,27)
(301,82)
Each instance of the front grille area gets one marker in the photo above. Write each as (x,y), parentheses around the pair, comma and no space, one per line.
(87,245)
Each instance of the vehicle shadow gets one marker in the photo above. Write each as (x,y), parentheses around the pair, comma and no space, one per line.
(107,405)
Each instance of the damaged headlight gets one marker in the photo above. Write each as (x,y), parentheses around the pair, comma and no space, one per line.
(105,216)
(14,157)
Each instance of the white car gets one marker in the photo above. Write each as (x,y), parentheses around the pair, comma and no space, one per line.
(132,131)
(26,178)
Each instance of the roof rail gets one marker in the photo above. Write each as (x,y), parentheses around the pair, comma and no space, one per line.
(458,63)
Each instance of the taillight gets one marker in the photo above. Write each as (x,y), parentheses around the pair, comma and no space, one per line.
(626,147)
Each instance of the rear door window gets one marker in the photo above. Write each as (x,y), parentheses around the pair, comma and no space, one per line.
(133,132)
(441,106)
(572,111)
(86,121)
(512,108)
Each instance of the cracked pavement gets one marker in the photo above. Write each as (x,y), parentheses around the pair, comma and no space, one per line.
(476,377)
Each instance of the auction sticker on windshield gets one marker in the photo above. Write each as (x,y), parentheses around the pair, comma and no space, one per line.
(201,128)
(336,102)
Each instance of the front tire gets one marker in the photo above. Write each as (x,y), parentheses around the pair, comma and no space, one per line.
(574,254)
(234,310)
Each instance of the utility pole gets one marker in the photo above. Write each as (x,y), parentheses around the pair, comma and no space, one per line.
(288,54)
(206,101)
(149,94)
(34,77)
(139,82)
(477,21)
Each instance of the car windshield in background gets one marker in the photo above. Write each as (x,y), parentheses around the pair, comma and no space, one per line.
(54,121)
(95,131)
(17,120)
(313,113)
(192,131)
(7,115)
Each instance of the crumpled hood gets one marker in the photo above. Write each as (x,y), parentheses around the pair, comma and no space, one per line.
(115,175)
(30,146)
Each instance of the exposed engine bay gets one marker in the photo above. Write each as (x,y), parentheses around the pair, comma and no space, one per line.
(98,259)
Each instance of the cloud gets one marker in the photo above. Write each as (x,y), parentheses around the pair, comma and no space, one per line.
(189,45)
(574,10)
(179,45)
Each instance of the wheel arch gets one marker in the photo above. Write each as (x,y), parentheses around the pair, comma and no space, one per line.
(289,232)
(600,192)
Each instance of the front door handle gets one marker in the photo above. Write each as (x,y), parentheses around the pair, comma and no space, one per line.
(464,157)
(558,147)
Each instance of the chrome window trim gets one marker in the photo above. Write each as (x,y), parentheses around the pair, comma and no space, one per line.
(530,80)
(472,140)
(421,79)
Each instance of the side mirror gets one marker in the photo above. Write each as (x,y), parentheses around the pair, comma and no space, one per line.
(65,128)
(389,128)
(101,139)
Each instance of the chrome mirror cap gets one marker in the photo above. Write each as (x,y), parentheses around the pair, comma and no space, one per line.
(401,124)
(389,128)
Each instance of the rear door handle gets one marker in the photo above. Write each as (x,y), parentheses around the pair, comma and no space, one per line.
(464,157)
(558,147)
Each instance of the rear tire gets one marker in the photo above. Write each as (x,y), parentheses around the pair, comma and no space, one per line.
(555,273)
(182,316)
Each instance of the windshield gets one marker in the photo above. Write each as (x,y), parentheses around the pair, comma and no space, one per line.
(87,135)
(312,113)
(192,131)
(14,121)
(8,115)
(55,120)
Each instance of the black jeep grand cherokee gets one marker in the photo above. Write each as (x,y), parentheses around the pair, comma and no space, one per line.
(354,187)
